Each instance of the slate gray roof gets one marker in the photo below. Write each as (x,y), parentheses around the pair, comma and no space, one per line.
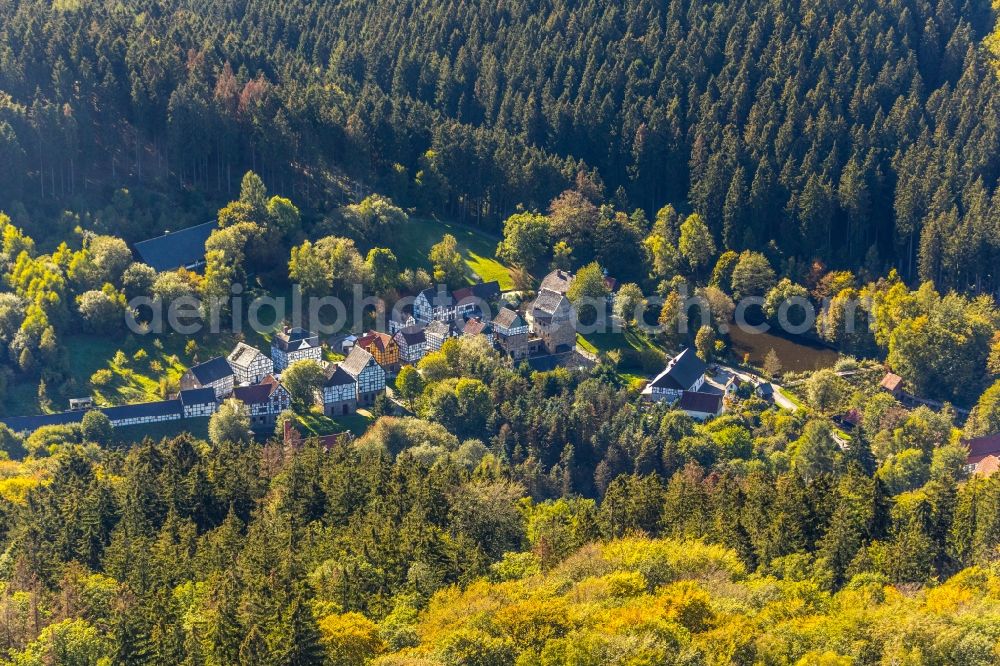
(681,372)
(143,410)
(695,401)
(244,355)
(32,423)
(292,339)
(412,335)
(180,248)
(211,371)
(337,376)
(356,361)
(438,329)
(198,396)
(558,281)
(548,301)
(507,318)
(436,298)
(119,413)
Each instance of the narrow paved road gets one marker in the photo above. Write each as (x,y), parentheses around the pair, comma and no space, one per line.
(779,399)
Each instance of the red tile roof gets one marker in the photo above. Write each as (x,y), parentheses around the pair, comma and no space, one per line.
(475,327)
(257,394)
(981,447)
(988,466)
(380,340)
(852,416)
(892,382)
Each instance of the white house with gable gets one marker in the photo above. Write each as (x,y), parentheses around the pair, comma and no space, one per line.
(684,372)
(294,344)
(249,364)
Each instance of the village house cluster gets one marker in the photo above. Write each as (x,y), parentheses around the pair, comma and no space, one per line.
(254,379)
(545,326)
(542,327)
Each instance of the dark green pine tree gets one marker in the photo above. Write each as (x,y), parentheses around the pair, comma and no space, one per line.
(943,497)
(253,649)
(911,556)
(756,513)
(816,208)
(128,555)
(734,211)
(962,537)
(850,524)
(438,561)
(648,458)
(130,632)
(859,453)
(383,407)
(167,639)
(789,522)
(97,514)
(227,632)
(567,466)
(687,508)
(727,501)
(882,520)
(301,646)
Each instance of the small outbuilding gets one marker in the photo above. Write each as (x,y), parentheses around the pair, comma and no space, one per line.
(892,383)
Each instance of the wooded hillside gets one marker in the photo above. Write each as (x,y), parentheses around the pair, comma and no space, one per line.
(866,134)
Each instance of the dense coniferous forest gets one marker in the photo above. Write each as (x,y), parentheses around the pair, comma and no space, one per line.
(860,135)
(753,539)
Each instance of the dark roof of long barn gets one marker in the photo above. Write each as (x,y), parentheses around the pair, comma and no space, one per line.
(176,249)
(681,372)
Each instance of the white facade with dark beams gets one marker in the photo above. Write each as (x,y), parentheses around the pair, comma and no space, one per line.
(249,364)
(369,375)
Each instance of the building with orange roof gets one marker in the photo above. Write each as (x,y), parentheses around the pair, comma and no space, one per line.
(981,451)
(382,346)
(892,383)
